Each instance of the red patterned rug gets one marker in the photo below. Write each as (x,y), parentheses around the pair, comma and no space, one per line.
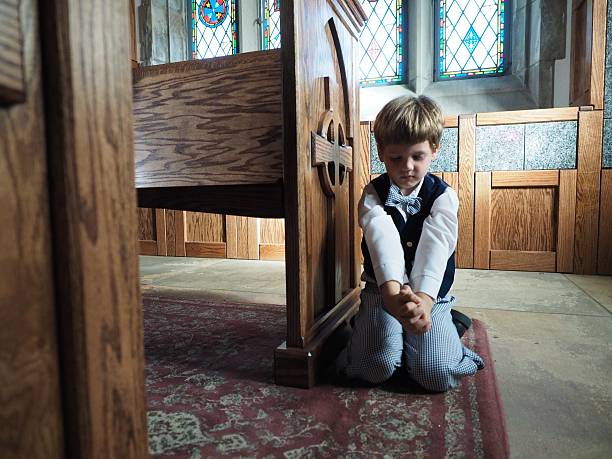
(210,393)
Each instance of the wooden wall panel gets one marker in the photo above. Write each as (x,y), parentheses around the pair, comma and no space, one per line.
(590,133)
(31,423)
(513,260)
(247,229)
(604,258)
(160,231)
(203,227)
(146,224)
(482,220)
(598,53)
(271,239)
(567,220)
(467,155)
(88,88)
(523,219)
(581,56)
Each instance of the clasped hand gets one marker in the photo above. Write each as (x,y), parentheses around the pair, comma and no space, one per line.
(412,310)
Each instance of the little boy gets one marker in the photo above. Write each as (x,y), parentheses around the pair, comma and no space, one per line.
(409,223)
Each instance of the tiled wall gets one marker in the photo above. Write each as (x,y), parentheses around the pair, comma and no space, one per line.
(607,140)
(532,146)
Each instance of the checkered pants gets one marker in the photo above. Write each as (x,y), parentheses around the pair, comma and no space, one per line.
(379,345)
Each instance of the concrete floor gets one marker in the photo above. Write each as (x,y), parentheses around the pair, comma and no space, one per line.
(551,338)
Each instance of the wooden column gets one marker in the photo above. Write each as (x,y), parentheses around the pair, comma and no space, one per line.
(467,160)
(30,394)
(590,126)
(604,258)
(89,111)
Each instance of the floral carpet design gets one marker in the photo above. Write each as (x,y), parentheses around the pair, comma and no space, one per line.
(210,393)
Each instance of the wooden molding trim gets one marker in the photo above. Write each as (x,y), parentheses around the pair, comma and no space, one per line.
(590,127)
(528,116)
(205,249)
(147,247)
(512,260)
(598,53)
(524,178)
(604,255)
(567,221)
(272,252)
(482,220)
(467,160)
(160,231)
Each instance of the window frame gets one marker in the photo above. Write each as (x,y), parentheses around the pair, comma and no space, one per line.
(507,46)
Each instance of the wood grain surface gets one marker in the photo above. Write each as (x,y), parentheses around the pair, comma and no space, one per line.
(511,260)
(524,219)
(31,420)
(203,227)
(604,259)
(525,178)
(528,116)
(272,231)
(590,134)
(467,162)
(88,105)
(209,122)
(146,224)
(482,220)
(12,83)
(566,221)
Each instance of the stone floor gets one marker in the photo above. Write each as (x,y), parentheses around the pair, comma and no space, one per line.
(551,338)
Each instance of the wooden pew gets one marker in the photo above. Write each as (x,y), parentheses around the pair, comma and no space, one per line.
(269,134)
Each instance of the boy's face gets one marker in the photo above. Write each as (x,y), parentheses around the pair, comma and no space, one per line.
(407,164)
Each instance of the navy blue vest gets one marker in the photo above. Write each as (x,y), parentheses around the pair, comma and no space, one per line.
(410,231)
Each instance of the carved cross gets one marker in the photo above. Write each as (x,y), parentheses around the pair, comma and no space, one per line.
(329,150)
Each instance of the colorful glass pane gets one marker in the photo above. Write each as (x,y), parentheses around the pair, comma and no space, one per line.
(214,28)
(271,36)
(381,43)
(471,37)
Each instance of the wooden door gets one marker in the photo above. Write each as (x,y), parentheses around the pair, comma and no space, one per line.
(29,362)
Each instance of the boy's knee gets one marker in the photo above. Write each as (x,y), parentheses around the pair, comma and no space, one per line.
(435,376)
(377,371)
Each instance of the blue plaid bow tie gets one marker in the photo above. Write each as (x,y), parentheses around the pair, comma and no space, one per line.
(410,204)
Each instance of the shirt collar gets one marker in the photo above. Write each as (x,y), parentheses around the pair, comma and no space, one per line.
(416,190)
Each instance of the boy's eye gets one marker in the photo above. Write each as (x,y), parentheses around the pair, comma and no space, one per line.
(396,158)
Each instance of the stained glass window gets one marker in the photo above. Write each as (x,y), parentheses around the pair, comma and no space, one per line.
(381,43)
(471,36)
(270,26)
(214,28)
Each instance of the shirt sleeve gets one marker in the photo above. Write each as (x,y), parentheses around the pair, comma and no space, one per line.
(436,245)
(382,238)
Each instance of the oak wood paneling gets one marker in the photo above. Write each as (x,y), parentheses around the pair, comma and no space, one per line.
(231,236)
(12,84)
(581,55)
(234,136)
(512,260)
(170,233)
(598,53)
(467,159)
(31,423)
(604,258)
(203,227)
(146,224)
(88,88)
(525,178)
(590,133)
(147,247)
(180,230)
(271,231)
(567,221)
(272,251)
(160,231)
(452,178)
(523,219)
(528,116)
(206,249)
(247,231)
(482,220)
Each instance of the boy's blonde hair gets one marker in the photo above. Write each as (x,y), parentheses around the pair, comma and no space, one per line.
(409,120)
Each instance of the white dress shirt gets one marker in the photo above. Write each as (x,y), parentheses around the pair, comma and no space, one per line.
(436,245)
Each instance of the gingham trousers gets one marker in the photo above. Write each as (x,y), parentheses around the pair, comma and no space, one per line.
(379,345)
